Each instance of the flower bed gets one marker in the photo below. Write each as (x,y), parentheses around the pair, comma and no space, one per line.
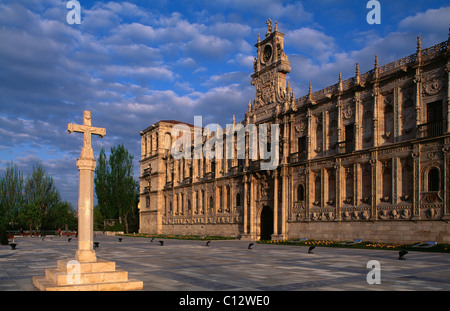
(363,244)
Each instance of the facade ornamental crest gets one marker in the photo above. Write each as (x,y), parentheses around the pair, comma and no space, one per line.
(347,113)
(300,127)
(433,87)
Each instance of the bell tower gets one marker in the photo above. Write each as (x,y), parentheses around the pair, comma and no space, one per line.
(271,66)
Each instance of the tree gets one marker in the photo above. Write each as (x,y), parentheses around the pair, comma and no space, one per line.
(40,193)
(30,214)
(11,194)
(61,215)
(101,186)
(98,219)
(114,184)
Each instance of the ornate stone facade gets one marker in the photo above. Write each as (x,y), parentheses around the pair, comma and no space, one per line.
(365,158)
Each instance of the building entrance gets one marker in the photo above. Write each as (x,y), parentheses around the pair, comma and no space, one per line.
(266,222)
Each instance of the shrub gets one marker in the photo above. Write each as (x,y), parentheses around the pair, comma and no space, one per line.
(3,236)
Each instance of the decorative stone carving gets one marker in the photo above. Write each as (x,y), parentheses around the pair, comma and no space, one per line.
(433,87)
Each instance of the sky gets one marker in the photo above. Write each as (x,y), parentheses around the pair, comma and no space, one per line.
(134,63)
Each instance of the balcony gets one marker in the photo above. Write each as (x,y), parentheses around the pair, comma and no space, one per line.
(431,129)
(298,157)
(346,146)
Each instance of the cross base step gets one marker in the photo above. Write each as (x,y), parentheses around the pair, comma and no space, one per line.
(86,276)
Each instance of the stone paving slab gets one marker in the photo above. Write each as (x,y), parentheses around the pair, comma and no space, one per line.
(230,266)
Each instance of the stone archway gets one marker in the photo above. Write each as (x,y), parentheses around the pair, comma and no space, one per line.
(266,223)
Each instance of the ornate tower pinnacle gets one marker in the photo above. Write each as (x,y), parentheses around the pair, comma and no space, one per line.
(271,66)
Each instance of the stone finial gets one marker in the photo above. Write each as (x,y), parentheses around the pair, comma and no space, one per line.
(357,76)
(310,95)
(234,119)
(341,85)
(276,26)
(419,50)
(269,27)
(249,105)
(259,38)
(376,67)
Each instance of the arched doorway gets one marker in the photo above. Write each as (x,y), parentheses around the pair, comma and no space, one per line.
(266,223)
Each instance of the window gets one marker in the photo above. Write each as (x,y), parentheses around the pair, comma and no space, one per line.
(434,111)
(434,125)
(433,180)
(349,138)
(349,133)
(300,193)
(211,203)
(238,199)
(302,144)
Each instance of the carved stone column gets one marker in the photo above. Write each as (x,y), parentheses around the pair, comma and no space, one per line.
(252,213)
(309,133)
(397,105)
(416,182)
(245,216)
(375,186)
(447,70)
(275,204)
(395,163)
(418,82)
(446,186)
(307,172)
(338,174)
(284,201)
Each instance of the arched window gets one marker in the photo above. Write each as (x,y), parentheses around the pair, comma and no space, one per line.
(387,183)
(228,197)
(211,203)
(197,203)
(167,141)
(317,188)
(433,179)
(300,193)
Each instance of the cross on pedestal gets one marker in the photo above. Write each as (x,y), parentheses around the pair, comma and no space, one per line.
(86,166)
(86,272)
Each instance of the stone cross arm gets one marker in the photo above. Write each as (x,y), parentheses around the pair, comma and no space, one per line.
(87,131)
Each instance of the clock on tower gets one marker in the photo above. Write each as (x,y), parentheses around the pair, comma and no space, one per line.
(271,66)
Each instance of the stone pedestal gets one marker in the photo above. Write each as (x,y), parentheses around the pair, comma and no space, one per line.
(85,252)
(100,275)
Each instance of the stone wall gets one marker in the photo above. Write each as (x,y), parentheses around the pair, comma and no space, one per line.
(231,230)
(381,231)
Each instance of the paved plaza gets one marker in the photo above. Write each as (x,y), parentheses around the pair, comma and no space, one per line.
(231,266)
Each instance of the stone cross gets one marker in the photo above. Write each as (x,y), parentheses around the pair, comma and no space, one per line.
(86,166)
(87,130)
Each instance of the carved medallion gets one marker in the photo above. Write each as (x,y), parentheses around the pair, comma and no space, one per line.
(433,87)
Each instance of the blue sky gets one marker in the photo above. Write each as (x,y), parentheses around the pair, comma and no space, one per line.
(134,63)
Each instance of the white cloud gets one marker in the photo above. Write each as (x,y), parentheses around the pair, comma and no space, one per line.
(432,20)
(312,42)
